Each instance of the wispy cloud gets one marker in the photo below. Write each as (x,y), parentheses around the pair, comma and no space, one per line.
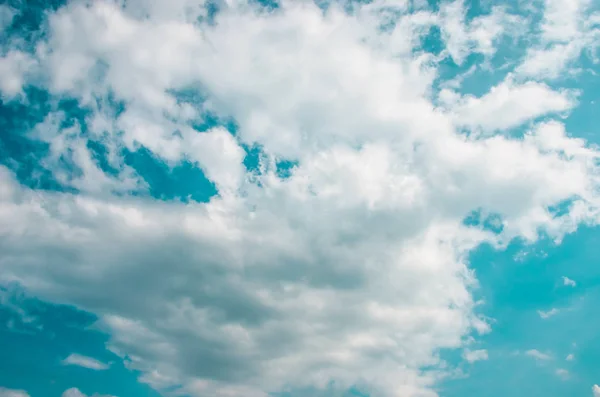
(568,282)
(562,373)
(538,355)
(548,313)
(475,355)
(84,361)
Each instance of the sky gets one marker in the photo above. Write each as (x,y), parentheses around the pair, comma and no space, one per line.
(261,198)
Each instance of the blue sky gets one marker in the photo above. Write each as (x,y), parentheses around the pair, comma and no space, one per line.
(384,198)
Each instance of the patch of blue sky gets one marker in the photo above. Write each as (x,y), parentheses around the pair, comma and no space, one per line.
(523,291)
(35,338)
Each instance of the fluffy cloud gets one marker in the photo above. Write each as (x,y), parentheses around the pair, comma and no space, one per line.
(568,282)
(83,361)
(353,268)
(475,355)
(506,105)
(596,390)
(568,28)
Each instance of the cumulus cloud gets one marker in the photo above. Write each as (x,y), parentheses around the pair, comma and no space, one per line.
(83,361)
(353,267)
(12,393)
(596,390)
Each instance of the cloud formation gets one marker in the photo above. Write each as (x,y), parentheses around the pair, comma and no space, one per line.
(352,268)
(86,362)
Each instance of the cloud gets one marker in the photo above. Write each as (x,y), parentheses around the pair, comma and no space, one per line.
(75,392)
(567,29)
(570,357)
(12,393)
(351,269)
(562,373)
(86,362)
(13,69)
(506,105)
(538,355)
(480,35)
(568,282)
(475,355)
(596,390)
(6,16)
(549,313)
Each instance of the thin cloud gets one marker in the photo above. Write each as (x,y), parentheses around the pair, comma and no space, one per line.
(84,361)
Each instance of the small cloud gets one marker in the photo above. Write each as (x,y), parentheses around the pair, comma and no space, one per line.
(12,393)
(562,373)
(475,355)
(86,362)
(570,357)
(596,390)
(75,392)
(568,282)
(548,314)
(538,355)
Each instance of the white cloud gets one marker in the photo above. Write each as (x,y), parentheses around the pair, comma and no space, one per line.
(566,31)
(549,313)
(479,35)
(562,19)
(13,69)
(562,373)
(475,355)
(352,269)
(12,393)
(75,392)
(568,282)
(538,355)
(86,362)
(596,390)
(570,357)
(506,105)
(549,63)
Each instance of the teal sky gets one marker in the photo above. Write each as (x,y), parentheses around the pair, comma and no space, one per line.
(386,199)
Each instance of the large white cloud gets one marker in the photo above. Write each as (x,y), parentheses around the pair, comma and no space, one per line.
(354,268)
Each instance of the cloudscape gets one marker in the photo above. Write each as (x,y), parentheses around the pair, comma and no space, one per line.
(260,198)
